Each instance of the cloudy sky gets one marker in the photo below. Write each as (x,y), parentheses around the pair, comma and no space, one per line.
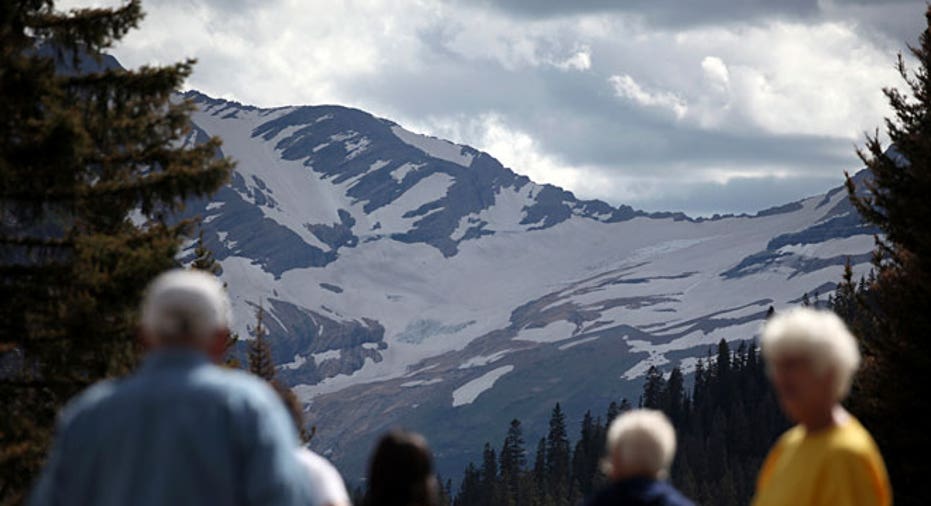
(703,106)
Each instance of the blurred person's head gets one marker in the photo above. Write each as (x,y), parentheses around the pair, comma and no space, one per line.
(640,444)
(401,472)
(290,401)
(811,358)
(186,309)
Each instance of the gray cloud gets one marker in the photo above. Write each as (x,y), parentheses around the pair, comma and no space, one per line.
(659,104)
(666,12)
(742,195)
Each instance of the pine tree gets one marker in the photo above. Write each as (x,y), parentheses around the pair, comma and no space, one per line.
(261,362)
(557,455)
(489,474)
(205,261)
(673,396)
(513,458)
(653,389)
(203,257)
(82,148)
(470,490)
(894,198)
(539,465)
(585,455)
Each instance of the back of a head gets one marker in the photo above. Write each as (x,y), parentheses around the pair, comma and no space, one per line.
(184,308)
(641,442)
(401,472)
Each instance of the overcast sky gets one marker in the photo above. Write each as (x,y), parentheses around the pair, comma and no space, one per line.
(703,106)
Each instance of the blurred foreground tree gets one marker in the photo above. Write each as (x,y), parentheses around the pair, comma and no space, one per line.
(91,171)
(894,321)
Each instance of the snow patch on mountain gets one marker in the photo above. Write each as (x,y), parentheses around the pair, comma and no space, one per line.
(437,148)
(467,393)
(421,383)
(401,215)
(577,342)
(404,169)
(483,360)
(549,333)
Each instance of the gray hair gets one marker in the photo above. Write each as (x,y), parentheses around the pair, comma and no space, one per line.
(643,442)
(184,306)
(819,335)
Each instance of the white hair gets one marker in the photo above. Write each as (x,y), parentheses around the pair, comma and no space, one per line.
(641,442)
(819,335)
(185,305)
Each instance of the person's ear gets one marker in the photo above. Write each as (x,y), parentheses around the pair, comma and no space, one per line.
(218,345)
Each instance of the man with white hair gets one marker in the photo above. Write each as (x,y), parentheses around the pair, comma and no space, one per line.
(828,458)
(181,430)
(641,446)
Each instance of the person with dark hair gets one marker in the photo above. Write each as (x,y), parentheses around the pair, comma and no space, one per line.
(401,472)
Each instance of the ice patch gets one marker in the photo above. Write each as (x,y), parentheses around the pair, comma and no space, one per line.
(401,172)
(483,360)
(418,331)
(377,165)
(294,364)
(467,393)
(421,383)
(553,332)
(429,189)
(664,248)
(437,148)
(578,342)
(327,355)
(356,148)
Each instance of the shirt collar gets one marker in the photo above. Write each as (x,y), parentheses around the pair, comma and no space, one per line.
(174,358)
(636,482)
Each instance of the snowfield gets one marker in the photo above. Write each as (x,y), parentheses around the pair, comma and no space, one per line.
(466,394)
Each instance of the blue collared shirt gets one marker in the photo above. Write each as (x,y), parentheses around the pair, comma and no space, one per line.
(639,491)
(180,431)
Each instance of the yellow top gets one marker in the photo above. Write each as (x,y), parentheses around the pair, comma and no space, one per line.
(839,466)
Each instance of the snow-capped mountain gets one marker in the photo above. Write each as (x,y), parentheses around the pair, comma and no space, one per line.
(411,281)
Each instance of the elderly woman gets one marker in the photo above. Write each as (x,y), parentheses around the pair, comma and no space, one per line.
(828,458)
(641,445)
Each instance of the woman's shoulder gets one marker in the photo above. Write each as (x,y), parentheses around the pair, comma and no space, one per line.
(852,437)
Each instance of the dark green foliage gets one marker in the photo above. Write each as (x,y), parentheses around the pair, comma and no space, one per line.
(724,433)
(205,261)
(262,365)
(203,257)
(80,152)
(557,455)
(260,352)
(891,311)
(653,388)
(513,458)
